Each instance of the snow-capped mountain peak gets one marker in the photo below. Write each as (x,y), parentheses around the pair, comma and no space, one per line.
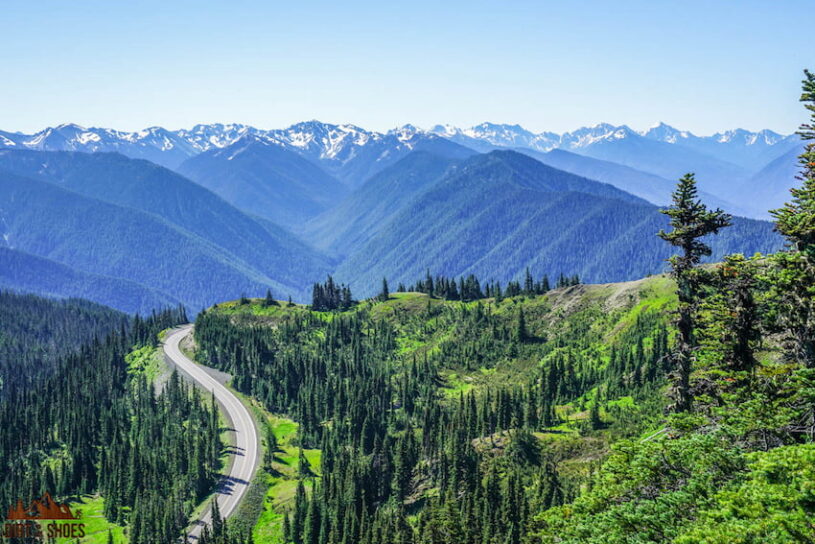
(324,140)
(501,134)
(663,132)
(406,133)
(445,131)
(745,137)
(587,136)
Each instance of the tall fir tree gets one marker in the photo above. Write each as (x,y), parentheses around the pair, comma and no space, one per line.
(385,293)
(796,221)
(691,221)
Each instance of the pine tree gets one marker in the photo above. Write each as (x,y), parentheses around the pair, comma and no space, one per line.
(796,221)
(269,300)
(690,221)
(385,293)
(217,521)
(521,334)
(528,283)
(740,315)
(594,416)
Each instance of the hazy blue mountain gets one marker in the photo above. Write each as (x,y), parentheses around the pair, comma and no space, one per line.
(770,187)
(122,242)
(750,150)
(141,185)
(353,154)
(350,153)
(266,179)
(23,272)
(723,162)
(624,146)
(655,189)
(498,213)
(365,211)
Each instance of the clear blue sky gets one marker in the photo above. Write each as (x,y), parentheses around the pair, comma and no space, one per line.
(702,66)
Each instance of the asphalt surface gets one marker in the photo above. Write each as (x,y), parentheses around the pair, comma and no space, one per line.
(244,450)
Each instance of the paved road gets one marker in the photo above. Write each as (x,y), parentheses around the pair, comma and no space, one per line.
(234,485)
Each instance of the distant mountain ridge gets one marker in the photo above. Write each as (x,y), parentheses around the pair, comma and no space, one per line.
(726,163)
(333,145)
(341,142)
(504,135)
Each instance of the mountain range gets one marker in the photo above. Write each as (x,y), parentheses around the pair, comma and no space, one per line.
(193,216)
(725,163)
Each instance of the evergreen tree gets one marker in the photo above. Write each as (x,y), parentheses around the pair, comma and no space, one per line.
(521,334)
(690,221)
(594,416)
(385,293)
(529,285)
(796,221)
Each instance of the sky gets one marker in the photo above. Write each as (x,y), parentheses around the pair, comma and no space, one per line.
(555,66)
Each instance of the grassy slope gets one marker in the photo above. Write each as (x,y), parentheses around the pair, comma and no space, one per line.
(281,480)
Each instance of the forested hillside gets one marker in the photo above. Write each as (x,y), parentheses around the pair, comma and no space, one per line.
(366,211)
(266,179)
(36,332)
(653,188)
(131,220)
(399,204)
(94,425)
(200,214)
(497,214)
(28,273)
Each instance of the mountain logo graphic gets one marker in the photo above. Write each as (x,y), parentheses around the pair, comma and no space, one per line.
(42,508)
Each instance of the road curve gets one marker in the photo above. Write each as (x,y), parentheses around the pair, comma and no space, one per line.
(233,486)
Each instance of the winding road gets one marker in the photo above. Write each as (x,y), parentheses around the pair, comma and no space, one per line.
(245,457)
